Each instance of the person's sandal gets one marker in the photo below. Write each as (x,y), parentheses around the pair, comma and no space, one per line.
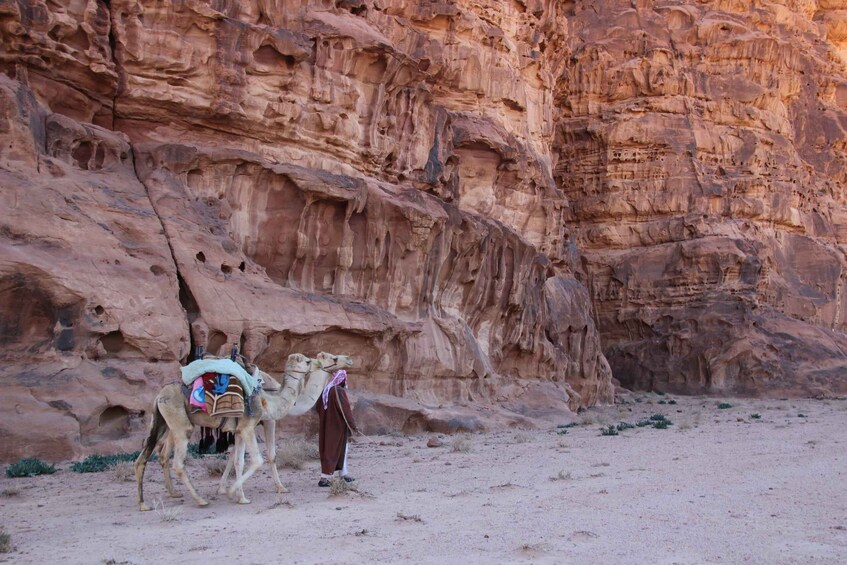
(323,483)
(348,479)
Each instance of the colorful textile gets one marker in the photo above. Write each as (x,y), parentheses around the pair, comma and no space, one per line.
(197,400)
(219,366)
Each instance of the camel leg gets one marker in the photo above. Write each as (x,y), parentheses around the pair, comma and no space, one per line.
(140,465)
(158,427)
(164,452)
(248,439)
(180,444)
(270,445)
(238,461)
(230,463)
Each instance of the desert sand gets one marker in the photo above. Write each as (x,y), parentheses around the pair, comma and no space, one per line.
(718,486)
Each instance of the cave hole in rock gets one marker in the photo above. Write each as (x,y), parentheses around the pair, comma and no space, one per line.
(113,422)
(113,342)
(226,269)
(157,270)
(99,310)
(82,154)
(217,340)
(30,314)
(201,256)
(242,266)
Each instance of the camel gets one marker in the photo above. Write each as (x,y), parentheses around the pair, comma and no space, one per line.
(173,423)
(276,406)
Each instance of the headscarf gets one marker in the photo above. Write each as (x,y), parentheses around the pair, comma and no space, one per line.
(338,378)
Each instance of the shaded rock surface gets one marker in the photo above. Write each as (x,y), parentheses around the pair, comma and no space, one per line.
(373,178)
(701,146)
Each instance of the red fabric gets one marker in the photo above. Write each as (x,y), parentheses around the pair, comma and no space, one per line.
(333,431)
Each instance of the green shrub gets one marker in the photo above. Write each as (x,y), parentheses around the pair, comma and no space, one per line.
(562,432)
(671,401)
(756,416)
(609,431)
(99,463)
(29,467)
(662,402)
(801,415)
(643,423)
(724,405)
(659,392)
(662,424)
(657,418)
(564,426)
(625,426)
(5,541)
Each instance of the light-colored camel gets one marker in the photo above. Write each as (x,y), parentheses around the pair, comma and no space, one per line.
(297,369)
(276,406)
(171,428)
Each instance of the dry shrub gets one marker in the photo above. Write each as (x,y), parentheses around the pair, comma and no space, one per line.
(521,437)
(171,514)
(123,471)
(338,487)
(409,517)
(562,476)
(294,452)
(460,444)
(10,492)
(214,466)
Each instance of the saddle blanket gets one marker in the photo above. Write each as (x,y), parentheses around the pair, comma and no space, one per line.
(217,395)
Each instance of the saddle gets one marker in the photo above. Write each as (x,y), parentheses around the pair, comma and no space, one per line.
(217,395)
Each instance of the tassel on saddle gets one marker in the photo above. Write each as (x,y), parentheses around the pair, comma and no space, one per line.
(210,437)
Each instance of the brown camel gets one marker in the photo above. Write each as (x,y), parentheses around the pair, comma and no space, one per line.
(171,428)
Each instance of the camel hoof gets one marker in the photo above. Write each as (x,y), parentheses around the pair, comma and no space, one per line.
(243,501)
(202,502)
(281,489)
(175,494)
(144,508)
(222,491)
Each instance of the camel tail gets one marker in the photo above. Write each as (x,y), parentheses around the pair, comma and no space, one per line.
(158,427)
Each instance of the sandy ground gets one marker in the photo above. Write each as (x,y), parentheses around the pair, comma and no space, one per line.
(716,487)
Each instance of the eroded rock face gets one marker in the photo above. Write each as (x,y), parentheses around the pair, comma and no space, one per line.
(701,145)
(371,177)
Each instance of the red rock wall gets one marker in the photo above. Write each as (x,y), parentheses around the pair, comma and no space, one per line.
(368,177)
(702,148)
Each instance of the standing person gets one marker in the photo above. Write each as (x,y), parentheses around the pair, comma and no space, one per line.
(336,424)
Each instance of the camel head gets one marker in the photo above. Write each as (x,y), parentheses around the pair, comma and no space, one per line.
(298,364)
(330,362)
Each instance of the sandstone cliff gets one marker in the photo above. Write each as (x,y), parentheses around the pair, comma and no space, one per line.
(702,148)
(369,177)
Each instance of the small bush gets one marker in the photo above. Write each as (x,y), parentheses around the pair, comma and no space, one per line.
(662,402)
(609,431)
(643,423)
(562,476)
(294,452)
(671,401)
(565,426)
(10,492)
(658,418)
(562,432)
(29,467)
(171,514)
(625,426)
(214,466)
(660,393)
(460,444)
(662,424)
(5,541)
(99,463)
(756,416)
(724,405)
(801,415)
(123,471)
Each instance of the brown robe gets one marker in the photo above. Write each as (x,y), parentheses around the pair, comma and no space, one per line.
(333,431)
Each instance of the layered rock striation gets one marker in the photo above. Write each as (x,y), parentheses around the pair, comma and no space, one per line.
(702,148)
(374,178)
